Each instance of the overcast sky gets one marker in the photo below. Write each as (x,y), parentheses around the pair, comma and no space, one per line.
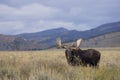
(25,16)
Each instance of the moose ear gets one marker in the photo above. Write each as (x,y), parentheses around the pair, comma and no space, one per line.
(78,42)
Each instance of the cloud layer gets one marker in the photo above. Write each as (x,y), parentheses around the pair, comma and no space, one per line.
(18,16)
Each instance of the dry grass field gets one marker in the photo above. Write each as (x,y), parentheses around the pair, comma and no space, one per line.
(52,65)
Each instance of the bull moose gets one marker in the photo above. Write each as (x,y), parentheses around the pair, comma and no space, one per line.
(75,56)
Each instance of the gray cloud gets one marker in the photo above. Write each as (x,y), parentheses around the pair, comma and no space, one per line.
(36,15)
(27,12)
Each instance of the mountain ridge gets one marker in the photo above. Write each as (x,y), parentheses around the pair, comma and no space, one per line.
(102,29)
(46,39)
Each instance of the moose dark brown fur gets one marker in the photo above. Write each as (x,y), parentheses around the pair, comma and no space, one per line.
(82,57)
(75,56)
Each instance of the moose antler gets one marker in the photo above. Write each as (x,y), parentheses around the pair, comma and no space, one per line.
(74,46)
(78,42)
(58,42)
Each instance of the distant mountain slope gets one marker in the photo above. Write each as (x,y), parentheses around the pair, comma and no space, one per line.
(104,29)
(47,39)
(6,42)
(18,43)
(106,40)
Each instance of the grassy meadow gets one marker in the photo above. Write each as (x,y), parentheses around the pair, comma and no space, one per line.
(52,65)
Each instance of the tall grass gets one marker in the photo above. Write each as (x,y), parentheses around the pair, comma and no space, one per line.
(52,65)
